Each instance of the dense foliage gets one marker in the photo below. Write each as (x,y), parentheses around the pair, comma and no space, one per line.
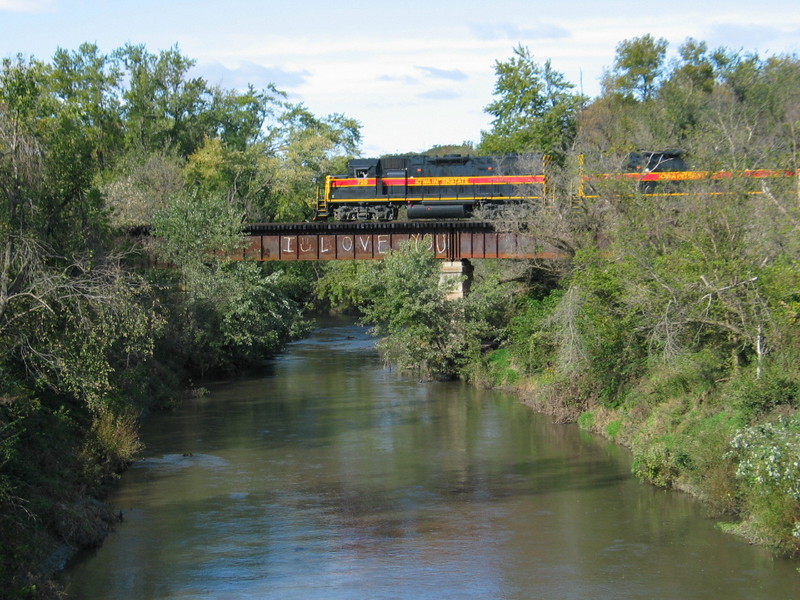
(405,299)
(673,325)
(90,337)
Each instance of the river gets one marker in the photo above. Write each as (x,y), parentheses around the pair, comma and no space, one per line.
(331,477)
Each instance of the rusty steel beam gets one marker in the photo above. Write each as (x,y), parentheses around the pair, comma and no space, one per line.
(446,245)
(448,240)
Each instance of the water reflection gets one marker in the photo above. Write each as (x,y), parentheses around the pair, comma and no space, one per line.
(335,478)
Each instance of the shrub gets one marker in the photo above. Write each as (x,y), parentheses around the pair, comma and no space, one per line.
(660,463)
(768,457)
(691,373)
(613,429)
(533,336)
(501,369)
(754,396)
(586,420)
(115,441)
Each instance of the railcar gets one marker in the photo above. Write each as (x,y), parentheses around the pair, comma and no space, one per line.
(666,173)
(430,187)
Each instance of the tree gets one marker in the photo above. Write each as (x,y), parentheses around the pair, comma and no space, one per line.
(408,309)
(535,111)
(69,311)
(88,143)
(88,82)
(276,177)
(638,67)
(162,107)
(230,313)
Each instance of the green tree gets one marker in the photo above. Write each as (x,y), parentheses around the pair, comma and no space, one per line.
(686,90)
(229,313)
(162,107)
(638,67)
(90,142)
(87,82)
(276,178)
(408,309)
(535,110)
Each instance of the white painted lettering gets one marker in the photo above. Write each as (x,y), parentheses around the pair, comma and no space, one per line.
(441,238)
(383,244)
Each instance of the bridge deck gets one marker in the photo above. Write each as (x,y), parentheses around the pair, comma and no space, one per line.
(449,240)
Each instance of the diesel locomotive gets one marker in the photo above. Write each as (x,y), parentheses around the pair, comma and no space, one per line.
(430,187)
(458,186)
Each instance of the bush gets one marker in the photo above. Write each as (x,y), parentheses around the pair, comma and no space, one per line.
(613,429)
(586,420)
(753,397)
(501,369)
(659,464)
(532,337)
(693,373)
(768,457)
(115,441)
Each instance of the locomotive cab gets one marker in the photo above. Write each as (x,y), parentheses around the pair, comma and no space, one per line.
(361,168)
(667,160)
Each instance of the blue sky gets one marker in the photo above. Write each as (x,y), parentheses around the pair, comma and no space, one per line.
(415,73)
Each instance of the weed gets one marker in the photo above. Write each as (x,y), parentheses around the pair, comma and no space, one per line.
(613,429)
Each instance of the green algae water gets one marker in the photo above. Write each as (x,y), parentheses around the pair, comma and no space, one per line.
(331,477)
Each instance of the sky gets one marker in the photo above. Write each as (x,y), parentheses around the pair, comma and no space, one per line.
(414,73)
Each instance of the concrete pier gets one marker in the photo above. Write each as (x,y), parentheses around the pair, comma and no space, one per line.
(457,275)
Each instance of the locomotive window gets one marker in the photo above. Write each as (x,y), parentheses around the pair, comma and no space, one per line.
(362,173)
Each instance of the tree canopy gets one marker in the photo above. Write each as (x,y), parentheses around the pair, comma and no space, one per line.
(92,144)
(535,109)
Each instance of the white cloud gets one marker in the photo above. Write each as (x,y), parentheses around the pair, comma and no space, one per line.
(249,73)
(513,32)
(451,74)
(413,81)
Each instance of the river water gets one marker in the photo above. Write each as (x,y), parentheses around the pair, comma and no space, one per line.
(330,477)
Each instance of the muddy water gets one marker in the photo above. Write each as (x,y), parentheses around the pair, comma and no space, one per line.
(332,478)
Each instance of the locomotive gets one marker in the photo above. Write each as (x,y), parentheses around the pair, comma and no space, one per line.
(430,187)
(457,186)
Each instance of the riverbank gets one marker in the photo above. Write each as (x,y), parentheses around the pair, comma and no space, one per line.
(691,435)
(707,410)
(57,461)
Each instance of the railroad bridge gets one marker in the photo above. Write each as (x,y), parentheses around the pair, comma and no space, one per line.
(455,242)
(365,240)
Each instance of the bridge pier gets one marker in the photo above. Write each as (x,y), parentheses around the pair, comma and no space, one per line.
(457,276)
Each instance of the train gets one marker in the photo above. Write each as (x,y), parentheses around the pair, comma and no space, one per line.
(430,187)
(463,186)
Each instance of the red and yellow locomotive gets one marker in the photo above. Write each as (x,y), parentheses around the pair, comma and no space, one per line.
(430,187)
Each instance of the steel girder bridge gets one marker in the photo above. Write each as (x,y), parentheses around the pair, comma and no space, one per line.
(369,240)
